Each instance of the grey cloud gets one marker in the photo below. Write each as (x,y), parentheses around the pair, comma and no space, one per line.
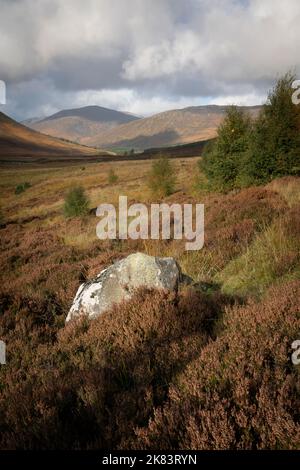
(52,52)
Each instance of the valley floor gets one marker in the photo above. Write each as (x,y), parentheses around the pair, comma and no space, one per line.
(210,369)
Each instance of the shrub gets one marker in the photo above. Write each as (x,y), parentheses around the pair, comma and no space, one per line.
(20,188)
(76,203)
(161,178)
(112,177)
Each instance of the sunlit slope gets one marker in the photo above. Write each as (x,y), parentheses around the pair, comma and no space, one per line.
(174,127)
(18,140)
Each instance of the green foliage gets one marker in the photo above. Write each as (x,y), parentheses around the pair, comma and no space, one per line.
(161,178)
(222,158)
(274,148)
(112,177)
(76,203)
(20,188)
(248,153)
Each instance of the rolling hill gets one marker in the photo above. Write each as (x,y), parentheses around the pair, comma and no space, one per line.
(16,140)
(174,127)
(81,123)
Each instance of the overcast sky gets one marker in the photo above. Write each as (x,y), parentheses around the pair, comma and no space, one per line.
(143,56)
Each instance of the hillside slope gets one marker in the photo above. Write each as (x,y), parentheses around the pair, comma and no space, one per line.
(80,123)
(18,140)
(164,129)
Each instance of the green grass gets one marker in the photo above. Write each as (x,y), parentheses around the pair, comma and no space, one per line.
(272,256)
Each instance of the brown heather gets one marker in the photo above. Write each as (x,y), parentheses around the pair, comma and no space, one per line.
(201,370)
(242,391)
(92,384)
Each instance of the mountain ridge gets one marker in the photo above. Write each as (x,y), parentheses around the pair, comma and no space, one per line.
(174,127)
(171,127)
(93,113)
(78,123)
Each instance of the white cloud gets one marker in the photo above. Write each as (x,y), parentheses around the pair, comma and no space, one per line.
(233,43)
(251,99)
(131,101)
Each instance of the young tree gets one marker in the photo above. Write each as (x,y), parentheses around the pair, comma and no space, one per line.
(161,178)
(76,203)
(222,159)
(275,140)
(20,188)
(112,177)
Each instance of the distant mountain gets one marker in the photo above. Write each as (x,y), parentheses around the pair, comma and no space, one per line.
(80,123)
(94,113)
(17,140)
(174,127)
(28,122)
(106,128)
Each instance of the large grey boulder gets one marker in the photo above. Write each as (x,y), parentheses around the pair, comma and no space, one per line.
(119,281)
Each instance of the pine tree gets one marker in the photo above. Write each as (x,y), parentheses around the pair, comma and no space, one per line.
(275,141)
(222,160)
